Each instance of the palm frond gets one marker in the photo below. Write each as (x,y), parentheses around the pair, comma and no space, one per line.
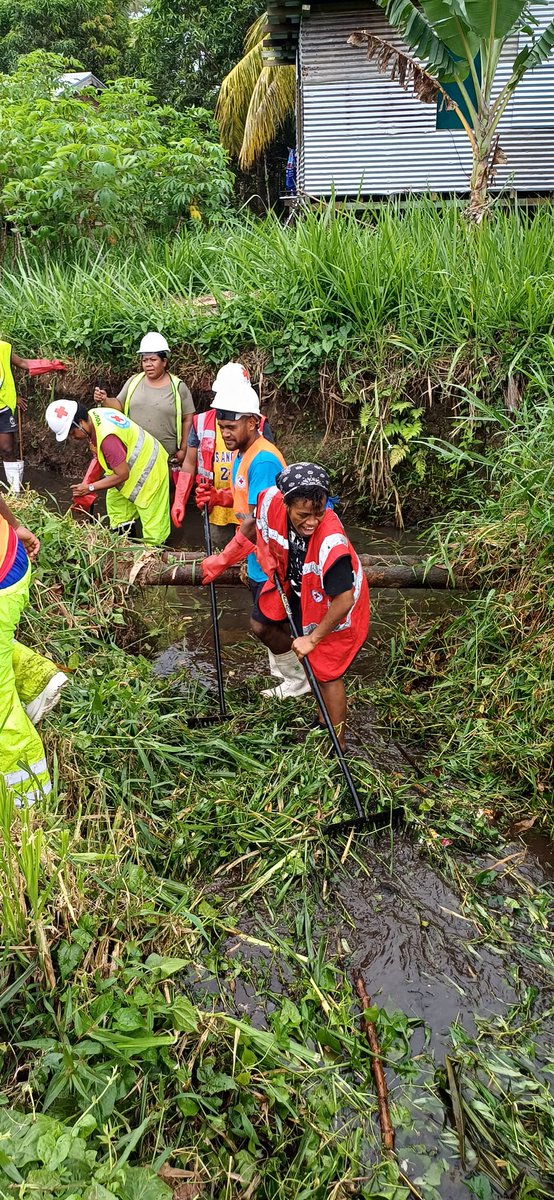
(235,95)
(256,33)
(272,100)
(391,61)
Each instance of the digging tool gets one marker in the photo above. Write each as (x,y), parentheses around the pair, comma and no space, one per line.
(201,722)
(94,471)
(361,818)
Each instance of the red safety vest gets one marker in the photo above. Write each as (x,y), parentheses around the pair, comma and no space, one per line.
(333,655)
(204,425)
(8,547)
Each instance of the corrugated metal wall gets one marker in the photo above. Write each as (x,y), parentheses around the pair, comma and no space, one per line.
(361,134)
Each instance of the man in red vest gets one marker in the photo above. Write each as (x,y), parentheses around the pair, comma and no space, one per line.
(209,459)
(256,464)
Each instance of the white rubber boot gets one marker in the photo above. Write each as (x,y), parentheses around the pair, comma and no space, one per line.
(277,674)
(294,678)
(47,699)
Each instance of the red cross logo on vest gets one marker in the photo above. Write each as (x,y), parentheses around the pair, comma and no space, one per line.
(119,420)
(61,411)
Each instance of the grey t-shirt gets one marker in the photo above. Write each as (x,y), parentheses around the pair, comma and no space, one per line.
(154,409)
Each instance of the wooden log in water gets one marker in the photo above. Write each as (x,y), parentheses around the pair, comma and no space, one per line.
(182,569)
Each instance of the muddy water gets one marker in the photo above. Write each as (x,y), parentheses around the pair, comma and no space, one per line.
(396,919)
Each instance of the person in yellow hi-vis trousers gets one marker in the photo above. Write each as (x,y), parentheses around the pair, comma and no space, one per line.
(136,477)
(30,685)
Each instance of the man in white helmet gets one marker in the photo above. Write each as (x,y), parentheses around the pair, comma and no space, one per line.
(156,400)
(209,459)
(256,464)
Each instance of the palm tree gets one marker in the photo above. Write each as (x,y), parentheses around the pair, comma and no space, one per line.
(254,99)
(461,41)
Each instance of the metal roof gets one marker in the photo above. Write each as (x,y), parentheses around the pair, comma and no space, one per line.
(359,133)
(76,81)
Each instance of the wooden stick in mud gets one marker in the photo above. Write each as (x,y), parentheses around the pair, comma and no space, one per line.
(182,569)
(387,1131)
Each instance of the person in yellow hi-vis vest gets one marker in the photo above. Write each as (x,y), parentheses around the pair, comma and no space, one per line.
(9,400)
(155,399)
(136,477)
(30,685)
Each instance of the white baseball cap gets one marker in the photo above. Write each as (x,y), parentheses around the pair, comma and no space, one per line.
(238,400)
(60,416)
(230,373)
(153,343)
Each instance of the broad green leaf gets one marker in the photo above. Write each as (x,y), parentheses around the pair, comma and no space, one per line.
(493,19)
(421,38)
(142,1184)
(446,17)
(534,55)
(184,1016)
(166,966)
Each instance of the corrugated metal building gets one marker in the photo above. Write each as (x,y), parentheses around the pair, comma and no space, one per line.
(359,133)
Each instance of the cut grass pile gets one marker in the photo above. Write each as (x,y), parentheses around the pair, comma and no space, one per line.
(174,1012)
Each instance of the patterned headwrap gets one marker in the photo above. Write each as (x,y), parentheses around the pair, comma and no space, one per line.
(302,475)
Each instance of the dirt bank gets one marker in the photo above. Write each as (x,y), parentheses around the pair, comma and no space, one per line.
(316,425)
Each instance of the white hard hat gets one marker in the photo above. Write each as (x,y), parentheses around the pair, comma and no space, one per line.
(153,343)
(231,373)
(60,416)
(239,399)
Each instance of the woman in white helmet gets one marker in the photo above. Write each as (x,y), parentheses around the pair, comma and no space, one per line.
(154,399)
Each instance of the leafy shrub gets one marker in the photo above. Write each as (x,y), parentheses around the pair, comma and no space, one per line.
(103,168)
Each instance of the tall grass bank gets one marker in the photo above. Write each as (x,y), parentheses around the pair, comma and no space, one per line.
(380,330)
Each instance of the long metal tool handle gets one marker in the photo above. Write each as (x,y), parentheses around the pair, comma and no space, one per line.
(20,433)
(322,705)
(215,620)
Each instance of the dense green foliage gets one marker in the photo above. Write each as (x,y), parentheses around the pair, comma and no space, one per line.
(479,687)
(185,49)
(95,33)
(398,320)
(123,166)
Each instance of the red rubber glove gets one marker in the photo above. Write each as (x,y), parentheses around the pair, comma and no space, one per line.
(94,472)
(206,493)
(41,366)
(182,492)
(235,552)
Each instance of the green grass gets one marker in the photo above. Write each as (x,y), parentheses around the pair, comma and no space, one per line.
(170,869)
(398,318)
(477,688)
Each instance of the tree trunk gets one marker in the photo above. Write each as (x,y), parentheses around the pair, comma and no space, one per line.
(479,186)
(167,569)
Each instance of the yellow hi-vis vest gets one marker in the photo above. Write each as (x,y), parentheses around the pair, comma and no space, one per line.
(8,395)
(146,458)
(175,381)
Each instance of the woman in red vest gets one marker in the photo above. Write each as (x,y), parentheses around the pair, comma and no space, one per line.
(302,539)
